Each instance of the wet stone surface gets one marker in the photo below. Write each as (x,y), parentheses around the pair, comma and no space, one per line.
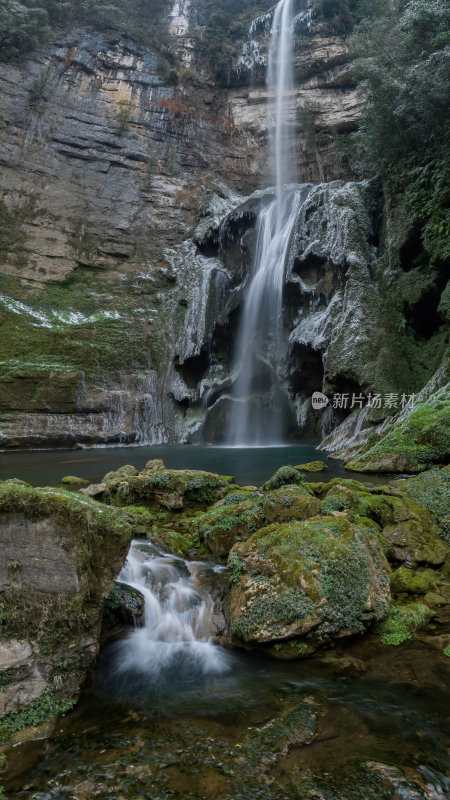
(372,725)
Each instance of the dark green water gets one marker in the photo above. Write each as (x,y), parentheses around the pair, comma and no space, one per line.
(248,466)
(375,727)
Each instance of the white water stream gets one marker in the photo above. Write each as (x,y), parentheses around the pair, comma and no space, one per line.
(259,347)
(175,643)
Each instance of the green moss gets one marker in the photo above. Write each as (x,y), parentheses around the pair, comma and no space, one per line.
(289,502)
(446,651)
(220,527)
(73,480)
(402,622)
(240,496)
(432,490)
(416,441)
(172,489)
(405,580)
(312,466)
(292,605)
(333,561)
(283,476)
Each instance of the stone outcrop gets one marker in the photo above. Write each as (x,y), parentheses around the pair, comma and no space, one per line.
(60,554)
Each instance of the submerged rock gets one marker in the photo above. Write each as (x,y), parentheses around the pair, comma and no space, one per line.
(320,579)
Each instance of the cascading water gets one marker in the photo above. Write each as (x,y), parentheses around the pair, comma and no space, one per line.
(174,647)
(260,342)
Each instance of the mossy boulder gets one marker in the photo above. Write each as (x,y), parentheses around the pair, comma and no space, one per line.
(432,490)
(283,477)
(221,527)
(405,523)
(121,474)
(312,466)
(61,552)
(413,543)
(171,489)
(417,439)
(404,580)
(308,581)
(288,503)
(72,480)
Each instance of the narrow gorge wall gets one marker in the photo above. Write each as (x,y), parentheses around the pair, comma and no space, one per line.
(126,234)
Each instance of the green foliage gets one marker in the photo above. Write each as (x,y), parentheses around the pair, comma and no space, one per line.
(21,27)
(26,24)
(46,706)
(227,24)
(151,169)
(446,651)
(402,622)
(39,85)
(404,76)
(124,115)
(237,569)
(422,437)
(432,490)
(292,605)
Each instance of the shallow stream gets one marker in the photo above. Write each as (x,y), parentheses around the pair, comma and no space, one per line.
(172,714)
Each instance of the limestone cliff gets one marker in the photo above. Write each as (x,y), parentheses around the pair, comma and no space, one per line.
(126,235)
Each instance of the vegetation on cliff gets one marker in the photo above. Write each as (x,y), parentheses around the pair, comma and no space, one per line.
(28,23)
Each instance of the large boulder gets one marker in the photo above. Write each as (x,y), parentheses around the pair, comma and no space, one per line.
(305,582)
(60,554)
(171,489)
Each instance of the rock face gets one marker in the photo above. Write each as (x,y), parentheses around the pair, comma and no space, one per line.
(60,554)
(128,199)
(108,309)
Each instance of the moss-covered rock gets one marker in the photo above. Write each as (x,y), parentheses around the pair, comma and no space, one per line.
(72,480)
(312,466)
(404,522)
(61,553)
(288,503)
(320,578)
(283,477)
(221,527)
(432,490)
(413,543)
(417,439)
(121,474)
(405,580)
(171,489)
(124,605)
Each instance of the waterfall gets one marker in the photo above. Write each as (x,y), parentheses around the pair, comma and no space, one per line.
(174,646)
(256,418)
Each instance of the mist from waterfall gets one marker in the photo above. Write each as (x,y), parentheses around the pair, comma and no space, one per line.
(256,419)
